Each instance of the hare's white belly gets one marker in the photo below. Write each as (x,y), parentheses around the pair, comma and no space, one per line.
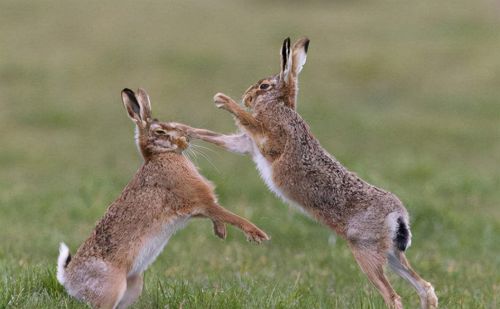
(266,173)
(153,246)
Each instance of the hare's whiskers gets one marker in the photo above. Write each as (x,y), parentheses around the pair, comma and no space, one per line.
(194,155)
(203,147)
(206,157)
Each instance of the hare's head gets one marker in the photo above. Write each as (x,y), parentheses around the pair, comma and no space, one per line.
(282,87)
(152,136)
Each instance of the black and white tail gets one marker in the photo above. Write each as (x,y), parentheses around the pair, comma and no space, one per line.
(402,237)
(62,262)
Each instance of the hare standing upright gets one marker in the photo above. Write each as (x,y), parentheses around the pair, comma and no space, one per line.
(296,168)
(166,191)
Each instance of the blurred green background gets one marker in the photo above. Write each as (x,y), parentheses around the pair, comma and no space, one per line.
(406,94)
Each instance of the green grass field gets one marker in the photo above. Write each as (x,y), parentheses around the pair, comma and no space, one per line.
(406,94)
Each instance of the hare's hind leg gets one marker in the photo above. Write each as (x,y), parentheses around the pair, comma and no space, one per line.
(134,290)
(97,283)
(372,263)
(112,295)
(113,288)
(400,265)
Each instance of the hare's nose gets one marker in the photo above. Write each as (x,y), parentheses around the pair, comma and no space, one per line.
(183,142)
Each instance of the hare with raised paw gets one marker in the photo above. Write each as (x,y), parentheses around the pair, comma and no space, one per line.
(167,190)
(298,169)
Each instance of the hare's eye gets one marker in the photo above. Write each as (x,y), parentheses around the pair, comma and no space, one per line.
(264,86)
(160,132)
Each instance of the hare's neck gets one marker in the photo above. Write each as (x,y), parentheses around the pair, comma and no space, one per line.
(159,172)
(164,164)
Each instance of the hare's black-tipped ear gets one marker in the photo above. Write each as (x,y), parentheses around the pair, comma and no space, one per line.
(145,104)
(296,60)
(285,59)
(299,55)
(132,105)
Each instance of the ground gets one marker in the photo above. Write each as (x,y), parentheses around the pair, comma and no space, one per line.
(406,94)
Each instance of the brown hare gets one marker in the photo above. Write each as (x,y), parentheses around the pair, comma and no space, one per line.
(295,167)
(163,195)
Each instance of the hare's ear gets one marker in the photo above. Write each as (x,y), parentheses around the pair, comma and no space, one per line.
(297,61)
(145,104)
(299,55)
(132,106)
(285,59)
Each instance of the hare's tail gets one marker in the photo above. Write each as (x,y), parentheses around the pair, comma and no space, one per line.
(62,262)
(402,237)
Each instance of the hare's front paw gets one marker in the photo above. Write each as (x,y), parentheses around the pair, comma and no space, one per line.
(257,235)
(223,101)
(185,129)
(220,229)
(176,126)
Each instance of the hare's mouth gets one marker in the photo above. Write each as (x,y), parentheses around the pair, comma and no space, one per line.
(182,143)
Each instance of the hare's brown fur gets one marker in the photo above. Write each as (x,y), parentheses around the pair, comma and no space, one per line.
(297,168)
(166,191)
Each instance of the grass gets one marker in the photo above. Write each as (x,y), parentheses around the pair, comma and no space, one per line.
(405,94)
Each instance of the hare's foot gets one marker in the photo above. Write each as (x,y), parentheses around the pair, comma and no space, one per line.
(397,302)
(243,117)
(220,229)
(223,101)
(179,126)
(432,300)
(133,291)
(256,235)
(219,214)
(185,129)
